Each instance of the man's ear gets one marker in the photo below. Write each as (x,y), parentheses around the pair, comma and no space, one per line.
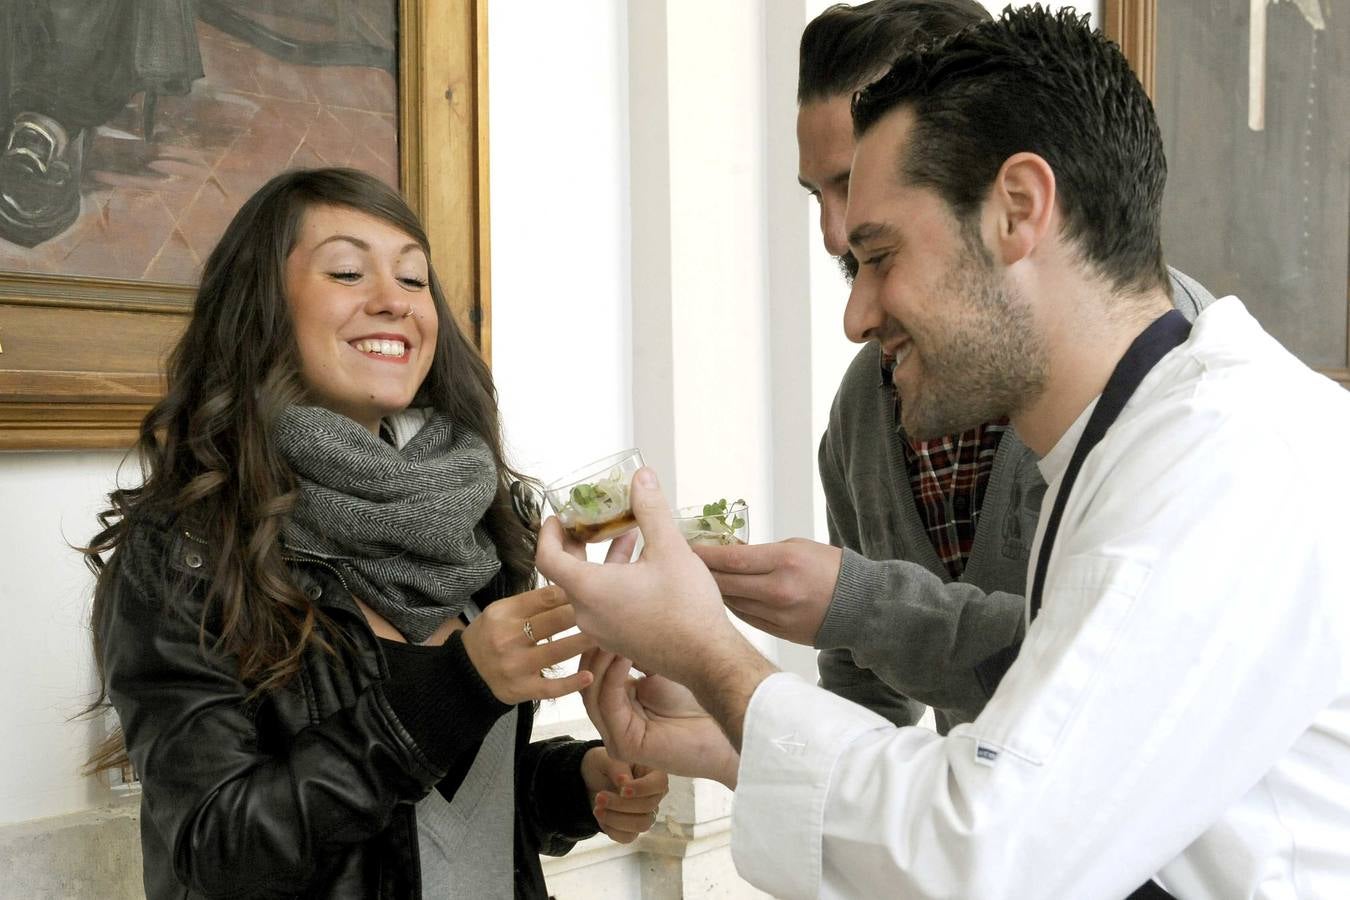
(1022,205)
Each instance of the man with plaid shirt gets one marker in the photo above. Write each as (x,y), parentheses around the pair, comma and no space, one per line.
(918,599)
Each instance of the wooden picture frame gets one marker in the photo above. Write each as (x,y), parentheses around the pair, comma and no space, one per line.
(1133,24)
(81,358)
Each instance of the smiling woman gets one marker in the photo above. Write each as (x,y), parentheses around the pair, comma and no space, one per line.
(364,318)
(347,676)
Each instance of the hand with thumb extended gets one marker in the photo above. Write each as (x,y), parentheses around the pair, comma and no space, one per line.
(660,534)
(659,611)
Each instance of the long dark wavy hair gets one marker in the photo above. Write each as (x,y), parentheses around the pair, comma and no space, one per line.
(206,449)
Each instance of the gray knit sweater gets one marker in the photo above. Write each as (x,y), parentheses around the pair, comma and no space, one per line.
(900,633)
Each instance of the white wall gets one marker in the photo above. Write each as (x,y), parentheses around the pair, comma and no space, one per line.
(559,200)
(557,89)
(47,501)
(719,284)
(694,129)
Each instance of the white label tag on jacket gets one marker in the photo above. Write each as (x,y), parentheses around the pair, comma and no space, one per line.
(986,754)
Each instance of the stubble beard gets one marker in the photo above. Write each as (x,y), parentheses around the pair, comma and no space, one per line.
(988,361)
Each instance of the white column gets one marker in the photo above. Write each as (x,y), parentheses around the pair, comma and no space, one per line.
(652,260)
(702,405)
(792,235)
(702,401)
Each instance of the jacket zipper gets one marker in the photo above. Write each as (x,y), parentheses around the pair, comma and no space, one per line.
(319,562)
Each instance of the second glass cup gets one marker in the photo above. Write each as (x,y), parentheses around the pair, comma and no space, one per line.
(719,523)
(593,503)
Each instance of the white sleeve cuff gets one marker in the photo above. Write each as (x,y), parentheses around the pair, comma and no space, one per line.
(792,736)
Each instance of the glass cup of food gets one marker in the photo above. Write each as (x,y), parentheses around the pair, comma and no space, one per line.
(721,523)
(593,503)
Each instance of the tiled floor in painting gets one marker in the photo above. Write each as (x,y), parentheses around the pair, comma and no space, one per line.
(152,210)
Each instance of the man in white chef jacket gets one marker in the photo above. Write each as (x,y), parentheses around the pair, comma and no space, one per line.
(1181,705)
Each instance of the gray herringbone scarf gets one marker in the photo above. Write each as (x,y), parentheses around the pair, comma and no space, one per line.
(404,524)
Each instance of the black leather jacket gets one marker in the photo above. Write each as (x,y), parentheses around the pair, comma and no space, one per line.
(307,791)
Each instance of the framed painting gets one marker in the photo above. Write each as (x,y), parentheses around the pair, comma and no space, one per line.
(130,139)
(1251,98)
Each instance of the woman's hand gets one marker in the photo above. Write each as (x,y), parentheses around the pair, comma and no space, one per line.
(624,798)
(511,660)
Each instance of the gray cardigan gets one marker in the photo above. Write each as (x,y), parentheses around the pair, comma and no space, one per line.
(900,633)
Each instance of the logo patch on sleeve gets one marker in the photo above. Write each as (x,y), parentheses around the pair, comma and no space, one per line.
(985,754)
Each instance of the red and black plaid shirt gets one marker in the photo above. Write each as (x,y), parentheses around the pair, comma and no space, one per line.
(948,476)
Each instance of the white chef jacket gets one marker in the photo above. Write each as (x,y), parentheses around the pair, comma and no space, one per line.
(1181,705)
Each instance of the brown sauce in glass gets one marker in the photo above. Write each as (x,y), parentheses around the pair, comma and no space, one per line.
(593,532)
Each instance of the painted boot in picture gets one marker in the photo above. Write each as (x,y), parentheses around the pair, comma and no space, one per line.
(39,179)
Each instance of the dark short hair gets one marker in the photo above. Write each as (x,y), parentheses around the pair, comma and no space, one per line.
(1045,83)
(845,47)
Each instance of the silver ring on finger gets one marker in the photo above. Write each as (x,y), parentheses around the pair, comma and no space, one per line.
(529,631)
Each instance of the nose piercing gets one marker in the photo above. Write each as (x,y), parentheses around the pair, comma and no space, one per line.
(408,313)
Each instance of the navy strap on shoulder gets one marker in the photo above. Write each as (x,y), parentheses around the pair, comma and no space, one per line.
(1153,343)
(1166,333)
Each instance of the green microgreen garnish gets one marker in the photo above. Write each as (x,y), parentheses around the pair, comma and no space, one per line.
(598,500)
(719,522)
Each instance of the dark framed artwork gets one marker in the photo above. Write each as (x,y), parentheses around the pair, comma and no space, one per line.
(131,131)
(1251,98)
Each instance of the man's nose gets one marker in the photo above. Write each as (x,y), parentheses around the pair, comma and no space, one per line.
(832,226)
(863,315)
